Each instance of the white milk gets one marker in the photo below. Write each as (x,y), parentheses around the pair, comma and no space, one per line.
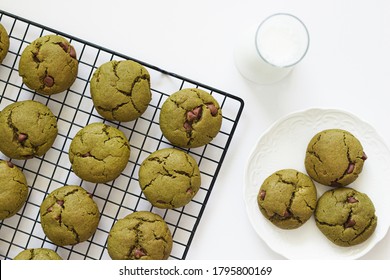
(268,52)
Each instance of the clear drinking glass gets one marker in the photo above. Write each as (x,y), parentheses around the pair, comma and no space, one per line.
(266,53)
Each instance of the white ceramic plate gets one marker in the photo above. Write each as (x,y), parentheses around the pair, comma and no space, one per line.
(283,146)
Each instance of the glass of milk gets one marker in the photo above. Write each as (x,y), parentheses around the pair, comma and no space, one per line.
(267,52)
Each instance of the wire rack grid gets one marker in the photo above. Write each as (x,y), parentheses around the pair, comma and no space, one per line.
(74,109)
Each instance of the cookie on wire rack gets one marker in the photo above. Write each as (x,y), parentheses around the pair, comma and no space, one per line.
(49,65)
(4,43)
(190,118)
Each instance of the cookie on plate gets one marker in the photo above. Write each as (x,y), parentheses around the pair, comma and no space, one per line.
(99,153)
(287,198)
(140,236)
(120,90)
(169,178)
(49,65)
(334,157)
(13,189)
(345,216)
(38,254)
(27,129)
(4,43)
(190,118)
(69,215)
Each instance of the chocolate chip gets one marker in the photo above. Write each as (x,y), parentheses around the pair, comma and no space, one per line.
(58,218)
(49,209)
(351,199)
(212,108)
(189,191)
(187,126)
(262,194)
(349,223)
(35,58)
(139,252)
(287,214)
(22,137)
(191,116)
(198,112)
(60,202)
(194,114)
(364,157)
(64,46)
(48,81)
(88,154)
(10,164)
(351,167)
(72,52)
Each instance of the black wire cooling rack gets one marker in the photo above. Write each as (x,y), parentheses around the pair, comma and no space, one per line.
(74,109)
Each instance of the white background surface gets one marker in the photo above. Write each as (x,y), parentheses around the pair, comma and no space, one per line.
(346,67)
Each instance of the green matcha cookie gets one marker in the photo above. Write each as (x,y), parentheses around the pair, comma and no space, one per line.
(334,157)
(190,118)
(345,216)
(4,43)
(27,129)
(49,65)
(13,189)
(38,254)
(121,90)
(140,236)
(99,153)
(287,198)
(169,178)
(69,215)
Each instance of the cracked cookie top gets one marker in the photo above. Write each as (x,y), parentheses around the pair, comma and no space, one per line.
(13,189)
(120,90)
(345,216)
(141,235)
(169,178)
(99,153)
(190,118)
(49,65)
(37,254)
(287,198)
(27,129)
(69,215)
(4,42)
(334,157)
